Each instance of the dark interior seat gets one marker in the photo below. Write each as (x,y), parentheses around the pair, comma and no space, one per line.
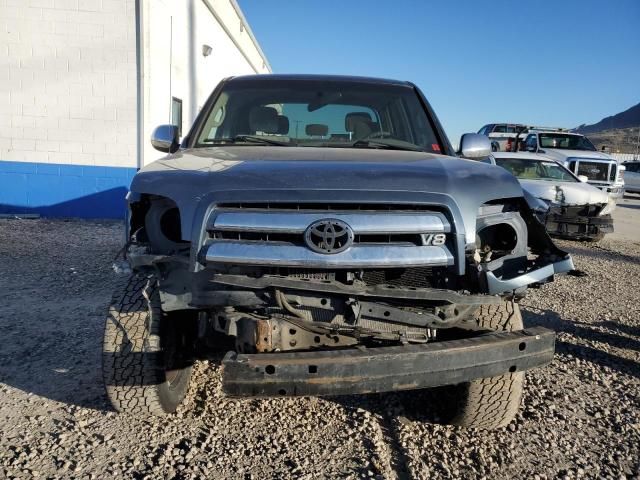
(359,124)
(264,119)
(283,125)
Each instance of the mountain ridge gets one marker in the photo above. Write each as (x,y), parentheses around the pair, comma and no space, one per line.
(627,119)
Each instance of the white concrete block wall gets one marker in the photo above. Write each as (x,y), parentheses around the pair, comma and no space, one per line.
(170,31)
(68,82)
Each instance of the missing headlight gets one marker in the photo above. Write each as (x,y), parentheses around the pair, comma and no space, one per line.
(499,239)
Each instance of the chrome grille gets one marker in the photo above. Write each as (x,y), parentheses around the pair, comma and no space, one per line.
(385,236)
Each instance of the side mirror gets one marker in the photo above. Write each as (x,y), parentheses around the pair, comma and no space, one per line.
(474,146)
(583,178)
(165,138)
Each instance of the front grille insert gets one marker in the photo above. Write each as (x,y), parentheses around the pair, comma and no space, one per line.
(412,277)
(298,238)
(419,277)
(577,210)
(595,171)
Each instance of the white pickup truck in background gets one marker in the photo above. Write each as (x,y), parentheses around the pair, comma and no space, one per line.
(503,135)
(578,154)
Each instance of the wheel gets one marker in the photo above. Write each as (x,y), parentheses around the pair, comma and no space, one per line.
(491,402)
(145,363)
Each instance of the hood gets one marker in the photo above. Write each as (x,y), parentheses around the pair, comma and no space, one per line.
(565,193)
(284,168)
(562,154)
(197,178)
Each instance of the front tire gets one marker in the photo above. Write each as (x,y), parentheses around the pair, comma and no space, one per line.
(489,403)
(145,365)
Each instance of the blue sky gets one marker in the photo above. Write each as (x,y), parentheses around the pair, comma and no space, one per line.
(554,63)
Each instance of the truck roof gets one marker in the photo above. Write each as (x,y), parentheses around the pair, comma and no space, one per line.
(317,78)
(510,124)
(550,130)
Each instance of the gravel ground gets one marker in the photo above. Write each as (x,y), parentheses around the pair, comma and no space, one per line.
(581,414)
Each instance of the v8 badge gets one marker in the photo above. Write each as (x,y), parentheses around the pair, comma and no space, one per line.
(433,239)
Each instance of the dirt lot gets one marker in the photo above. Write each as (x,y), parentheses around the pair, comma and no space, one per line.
(581,414)
(626,219)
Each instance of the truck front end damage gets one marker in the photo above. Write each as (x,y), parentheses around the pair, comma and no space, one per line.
(348,287)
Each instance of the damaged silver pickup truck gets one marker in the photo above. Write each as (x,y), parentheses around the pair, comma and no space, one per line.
(326,226)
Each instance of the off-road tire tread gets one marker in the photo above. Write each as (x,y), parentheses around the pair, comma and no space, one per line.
(489,403)
(132,358)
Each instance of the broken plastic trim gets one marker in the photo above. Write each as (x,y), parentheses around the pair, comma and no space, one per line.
(496,286)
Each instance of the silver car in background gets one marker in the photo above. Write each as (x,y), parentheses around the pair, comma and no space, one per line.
(577,209)
(632,176)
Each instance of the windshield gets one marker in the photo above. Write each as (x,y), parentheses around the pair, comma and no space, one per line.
(528,169)
(319,114)
(565,141)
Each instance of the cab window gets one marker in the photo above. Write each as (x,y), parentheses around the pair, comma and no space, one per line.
(531,142)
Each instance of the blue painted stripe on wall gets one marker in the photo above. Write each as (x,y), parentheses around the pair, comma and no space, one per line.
(57,190)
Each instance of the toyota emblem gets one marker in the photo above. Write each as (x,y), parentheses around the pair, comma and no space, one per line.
(328,235)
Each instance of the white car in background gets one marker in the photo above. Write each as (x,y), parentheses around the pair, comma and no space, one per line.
(577,209)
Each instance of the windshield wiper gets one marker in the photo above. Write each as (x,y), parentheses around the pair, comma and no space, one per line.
(248,139)
(387,144)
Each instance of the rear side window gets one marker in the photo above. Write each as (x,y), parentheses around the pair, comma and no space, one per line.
(486,130)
